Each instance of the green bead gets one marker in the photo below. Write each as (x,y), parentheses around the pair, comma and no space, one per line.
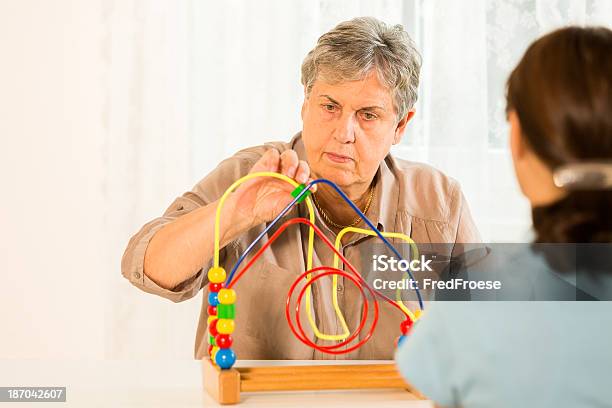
(226,311)
(212,341)
(297,192)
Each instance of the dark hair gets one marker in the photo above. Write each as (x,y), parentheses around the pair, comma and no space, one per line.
(561,91)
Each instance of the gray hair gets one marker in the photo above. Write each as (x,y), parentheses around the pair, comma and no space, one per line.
(353,48)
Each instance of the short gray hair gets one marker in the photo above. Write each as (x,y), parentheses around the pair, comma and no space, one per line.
(353,48)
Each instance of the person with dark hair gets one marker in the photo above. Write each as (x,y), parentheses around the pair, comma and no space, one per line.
(546,354)
(559,104)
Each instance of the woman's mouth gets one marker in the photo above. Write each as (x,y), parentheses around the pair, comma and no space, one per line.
(337,158)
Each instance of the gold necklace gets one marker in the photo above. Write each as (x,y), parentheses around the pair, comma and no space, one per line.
(328,219)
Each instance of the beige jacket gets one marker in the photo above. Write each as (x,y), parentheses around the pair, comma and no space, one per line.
(412,198)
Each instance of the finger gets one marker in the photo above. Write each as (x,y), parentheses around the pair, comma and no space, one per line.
(289,163)
(302,173)
(268,162)
(313,189)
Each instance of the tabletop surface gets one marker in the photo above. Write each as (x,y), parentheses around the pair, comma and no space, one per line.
(174,383)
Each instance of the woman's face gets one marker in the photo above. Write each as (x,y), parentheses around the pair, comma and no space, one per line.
(348,129)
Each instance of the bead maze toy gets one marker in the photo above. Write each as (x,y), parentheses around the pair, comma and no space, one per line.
(224,383)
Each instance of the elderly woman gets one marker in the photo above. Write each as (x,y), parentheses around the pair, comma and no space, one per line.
(360,86)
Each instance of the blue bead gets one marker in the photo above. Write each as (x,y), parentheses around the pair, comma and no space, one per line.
(213,299)
(225,358)
(400,340)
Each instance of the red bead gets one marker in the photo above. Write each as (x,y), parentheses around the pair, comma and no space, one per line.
(212,328)
(405,326)
(210,347)
(212,310)
(224,341)
(215,287)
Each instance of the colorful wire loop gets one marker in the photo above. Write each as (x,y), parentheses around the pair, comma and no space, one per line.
(222,297)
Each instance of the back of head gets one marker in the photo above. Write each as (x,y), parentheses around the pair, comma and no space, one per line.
(561,92)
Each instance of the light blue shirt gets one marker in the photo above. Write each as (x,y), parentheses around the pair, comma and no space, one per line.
(512,354)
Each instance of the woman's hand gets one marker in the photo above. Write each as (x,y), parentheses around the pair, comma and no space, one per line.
(180,248)
(261,199)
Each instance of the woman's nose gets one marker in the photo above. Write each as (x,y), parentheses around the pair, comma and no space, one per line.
(345,133)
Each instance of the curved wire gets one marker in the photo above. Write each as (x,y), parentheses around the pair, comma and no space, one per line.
(397,235)
(217,245)
(357,279)
(292,203)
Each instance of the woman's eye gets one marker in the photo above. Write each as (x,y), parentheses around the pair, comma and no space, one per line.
(329,107)
(369,116)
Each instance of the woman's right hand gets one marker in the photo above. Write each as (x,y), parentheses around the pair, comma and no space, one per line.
(261,199)
(180,248)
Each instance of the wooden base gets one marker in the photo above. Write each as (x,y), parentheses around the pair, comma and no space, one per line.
(225,385)
(222,385)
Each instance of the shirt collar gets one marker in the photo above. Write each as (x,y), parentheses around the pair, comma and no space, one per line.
(386,196)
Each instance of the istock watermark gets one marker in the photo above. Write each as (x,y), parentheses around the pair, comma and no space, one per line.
(488,271)
(453,284)
(383,263)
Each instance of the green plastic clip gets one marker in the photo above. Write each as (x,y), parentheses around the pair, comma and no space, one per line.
(297,192)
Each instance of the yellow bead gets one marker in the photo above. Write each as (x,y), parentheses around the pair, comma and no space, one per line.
(417,314)
(227,296)
(225,326)
(216,274)
(213,353)
(210,319)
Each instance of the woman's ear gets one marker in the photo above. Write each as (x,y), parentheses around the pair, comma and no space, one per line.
(517,144)
(401,126)
(303,108)
(304,104)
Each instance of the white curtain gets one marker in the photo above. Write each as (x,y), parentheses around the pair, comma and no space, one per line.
(148,49)
(469,49)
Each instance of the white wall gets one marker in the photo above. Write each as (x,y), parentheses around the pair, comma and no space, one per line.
(94,141)
(52,174)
